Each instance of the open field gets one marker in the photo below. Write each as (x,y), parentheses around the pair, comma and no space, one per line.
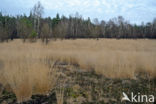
(110,57)
(32,68)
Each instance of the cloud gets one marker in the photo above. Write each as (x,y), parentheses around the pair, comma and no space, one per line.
(133,10)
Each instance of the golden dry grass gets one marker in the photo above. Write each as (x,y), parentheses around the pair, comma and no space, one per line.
(26,72)
(24,65)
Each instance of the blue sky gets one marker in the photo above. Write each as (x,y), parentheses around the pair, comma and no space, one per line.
(135,11)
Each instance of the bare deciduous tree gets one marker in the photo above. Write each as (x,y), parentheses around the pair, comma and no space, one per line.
(45,32)
(37,12)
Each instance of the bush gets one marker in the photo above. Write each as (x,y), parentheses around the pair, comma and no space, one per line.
(33,36)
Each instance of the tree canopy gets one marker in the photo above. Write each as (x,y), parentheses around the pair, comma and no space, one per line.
(24,27)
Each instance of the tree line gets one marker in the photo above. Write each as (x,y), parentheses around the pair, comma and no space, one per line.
(35,26)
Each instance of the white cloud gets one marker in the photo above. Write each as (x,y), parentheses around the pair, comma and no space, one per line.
(103,9)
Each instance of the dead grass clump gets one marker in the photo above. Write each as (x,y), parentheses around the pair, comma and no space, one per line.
(27,79)
(60,94)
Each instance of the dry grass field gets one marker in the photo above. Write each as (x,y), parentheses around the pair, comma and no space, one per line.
(29,68)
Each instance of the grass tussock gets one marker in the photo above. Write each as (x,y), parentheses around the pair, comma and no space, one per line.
(26,77)
(60,93)
(25,68)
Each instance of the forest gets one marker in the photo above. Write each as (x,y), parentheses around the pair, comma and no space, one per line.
(35,26)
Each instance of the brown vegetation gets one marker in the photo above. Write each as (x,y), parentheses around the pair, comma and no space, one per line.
(27,68)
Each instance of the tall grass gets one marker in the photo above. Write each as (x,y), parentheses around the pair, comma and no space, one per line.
(110,57)
(26,79)
(27,73)
(25,68)
(60,93)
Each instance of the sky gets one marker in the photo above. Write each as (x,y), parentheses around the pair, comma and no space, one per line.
(135,11)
